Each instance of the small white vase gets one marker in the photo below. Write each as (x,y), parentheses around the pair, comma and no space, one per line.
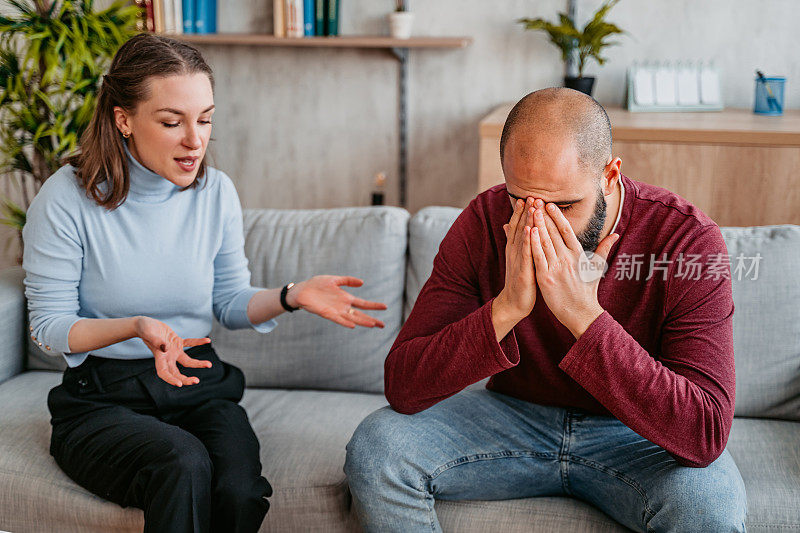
(400,24)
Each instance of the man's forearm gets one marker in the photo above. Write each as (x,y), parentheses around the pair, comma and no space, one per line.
(503,317)
(89,334)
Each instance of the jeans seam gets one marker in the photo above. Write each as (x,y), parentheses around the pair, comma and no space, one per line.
(487,456)
(619,475)
(422,489)
(467,459)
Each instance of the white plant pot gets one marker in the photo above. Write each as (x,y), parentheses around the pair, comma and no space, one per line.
(400,23)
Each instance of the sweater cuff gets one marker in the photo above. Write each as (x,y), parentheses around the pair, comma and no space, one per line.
(505,352)
(238,313)
(587,343)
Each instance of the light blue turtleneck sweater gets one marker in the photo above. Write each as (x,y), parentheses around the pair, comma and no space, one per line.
(176,256)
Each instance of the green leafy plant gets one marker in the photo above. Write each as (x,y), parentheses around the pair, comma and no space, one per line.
(588,42)
(52,57)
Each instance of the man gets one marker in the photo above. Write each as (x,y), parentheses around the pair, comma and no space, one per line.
(616,388)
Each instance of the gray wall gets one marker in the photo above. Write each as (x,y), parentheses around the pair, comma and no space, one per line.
(310,127)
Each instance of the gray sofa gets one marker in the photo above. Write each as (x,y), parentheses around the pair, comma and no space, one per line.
(310,382)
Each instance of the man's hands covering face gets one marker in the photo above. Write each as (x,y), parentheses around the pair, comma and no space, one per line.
(542,249)
(567,276)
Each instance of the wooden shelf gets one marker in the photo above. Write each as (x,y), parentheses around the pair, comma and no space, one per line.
(359,41)
(730,126)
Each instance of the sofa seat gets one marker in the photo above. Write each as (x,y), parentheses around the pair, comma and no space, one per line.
(303,434)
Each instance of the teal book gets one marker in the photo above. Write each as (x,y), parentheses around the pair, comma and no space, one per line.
(333,17)
(319,16)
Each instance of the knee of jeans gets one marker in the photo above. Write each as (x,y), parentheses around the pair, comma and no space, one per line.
(378,445)
(719,507)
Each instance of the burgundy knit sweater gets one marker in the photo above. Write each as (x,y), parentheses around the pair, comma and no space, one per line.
(659,358)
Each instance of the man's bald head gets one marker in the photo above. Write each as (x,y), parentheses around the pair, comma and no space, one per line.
(567,114)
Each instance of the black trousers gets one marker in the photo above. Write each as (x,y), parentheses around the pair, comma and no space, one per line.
(186,456)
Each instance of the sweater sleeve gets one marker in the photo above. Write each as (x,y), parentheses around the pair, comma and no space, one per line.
(53,260)
(448,341)
(232,290)
(681,398)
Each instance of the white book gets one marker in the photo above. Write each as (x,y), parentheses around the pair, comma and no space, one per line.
(178,4)
(293,13)
(169,15)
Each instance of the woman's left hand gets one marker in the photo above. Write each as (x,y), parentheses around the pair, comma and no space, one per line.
(322,296)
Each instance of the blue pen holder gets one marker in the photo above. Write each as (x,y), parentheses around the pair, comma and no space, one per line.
(769,96)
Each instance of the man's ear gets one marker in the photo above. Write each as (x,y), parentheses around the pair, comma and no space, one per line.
(611,174)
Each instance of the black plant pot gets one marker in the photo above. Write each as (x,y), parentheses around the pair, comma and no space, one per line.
(583,85)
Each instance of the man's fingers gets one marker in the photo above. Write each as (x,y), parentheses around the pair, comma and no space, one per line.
(544,239)
(559,245)
(519,205)
(605,245)
(564,227)
(539,259)
(190,362)
(525,219)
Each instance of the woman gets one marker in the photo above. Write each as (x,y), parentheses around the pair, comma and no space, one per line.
(130,249)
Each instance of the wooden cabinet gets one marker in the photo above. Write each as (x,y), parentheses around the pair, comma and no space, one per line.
(739,168)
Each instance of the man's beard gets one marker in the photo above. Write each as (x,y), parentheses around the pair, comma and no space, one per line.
(590,236)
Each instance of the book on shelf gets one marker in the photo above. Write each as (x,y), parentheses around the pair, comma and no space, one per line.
(177,16)
(279,25)
(308,18)
(205,20)
(319,17)
(293,12)
(305,18)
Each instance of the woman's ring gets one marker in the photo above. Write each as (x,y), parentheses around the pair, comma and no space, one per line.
(351,311)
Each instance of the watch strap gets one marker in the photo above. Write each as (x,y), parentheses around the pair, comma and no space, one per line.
(284,303)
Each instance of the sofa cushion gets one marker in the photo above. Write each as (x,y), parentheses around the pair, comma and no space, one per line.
(767,453)
(35,495)
(306,351)
(426,229)
(302,434)
(12,322)
(766,319)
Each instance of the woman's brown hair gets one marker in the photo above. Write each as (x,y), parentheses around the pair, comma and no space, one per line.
(102,157)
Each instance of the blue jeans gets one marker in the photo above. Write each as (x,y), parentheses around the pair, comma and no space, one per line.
(482,445)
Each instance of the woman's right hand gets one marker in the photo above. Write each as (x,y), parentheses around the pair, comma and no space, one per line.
(167,348)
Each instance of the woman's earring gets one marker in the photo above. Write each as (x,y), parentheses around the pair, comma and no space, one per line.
(126,135)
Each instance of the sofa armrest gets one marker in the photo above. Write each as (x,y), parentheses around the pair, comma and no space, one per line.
(13,321)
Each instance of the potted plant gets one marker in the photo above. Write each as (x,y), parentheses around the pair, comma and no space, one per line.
(588,42)
(400,21)
(52,57)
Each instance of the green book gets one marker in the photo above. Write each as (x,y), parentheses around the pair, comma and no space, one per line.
(333,17)
(319,16)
